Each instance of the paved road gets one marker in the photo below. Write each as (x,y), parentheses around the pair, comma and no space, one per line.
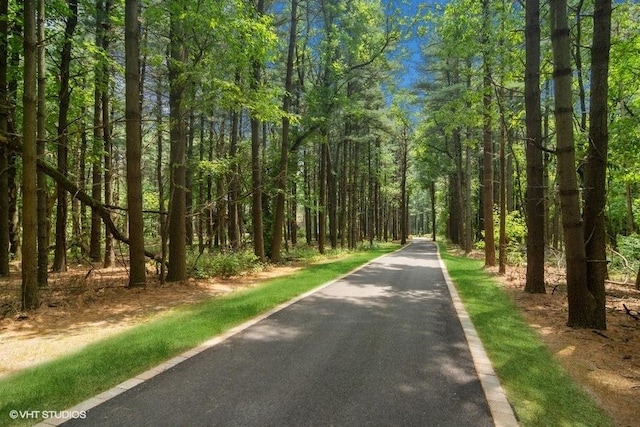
(380,347)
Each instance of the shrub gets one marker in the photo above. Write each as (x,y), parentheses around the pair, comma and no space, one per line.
(224,264)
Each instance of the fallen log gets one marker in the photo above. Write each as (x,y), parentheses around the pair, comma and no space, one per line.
(77,193)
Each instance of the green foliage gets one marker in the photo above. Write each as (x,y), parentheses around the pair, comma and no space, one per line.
(627,257)
(223,264)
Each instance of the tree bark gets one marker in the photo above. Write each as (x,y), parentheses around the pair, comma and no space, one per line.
(233,213)
(64,97)
(256,167)
(4,133)
(281,180)
(489,241)
(581,302)
(43,218)
(595,177)
(535,168)
(133,115)
(177,173)
(29,159)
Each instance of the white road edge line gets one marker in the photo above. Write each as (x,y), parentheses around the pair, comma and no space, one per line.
(501,410)
(144,376)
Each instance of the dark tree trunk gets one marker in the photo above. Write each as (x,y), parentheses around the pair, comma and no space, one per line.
(64,99)
(581,302)
(487,170)
(177,173)
(4,133)
(43,218)
(595,181)
(535,168)
(281,180)
(133,115)
(234,185)
(162,217)
(322,196)
(29,162)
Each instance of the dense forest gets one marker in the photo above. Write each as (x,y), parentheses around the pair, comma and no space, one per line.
(177,129)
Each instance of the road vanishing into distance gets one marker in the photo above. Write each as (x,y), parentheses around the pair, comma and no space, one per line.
(380,347)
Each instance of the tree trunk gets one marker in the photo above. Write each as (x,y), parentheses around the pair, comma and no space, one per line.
(631,223)
(281,180)
(101,86)
(109,251)
(489,242)
(29,162)
(189,179)
(133,115)
(404,202)
(43,218)
(4,133)
(535,180)
(177,173)
(322,196)
(581,302)
(64,98)
(595,177)
(162,217)
(502,259)
(256,168)
(234,185)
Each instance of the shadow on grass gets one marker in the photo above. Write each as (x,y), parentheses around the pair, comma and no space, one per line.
(539,390)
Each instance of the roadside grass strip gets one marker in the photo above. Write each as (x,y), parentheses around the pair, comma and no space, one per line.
(59,384)
(540,391)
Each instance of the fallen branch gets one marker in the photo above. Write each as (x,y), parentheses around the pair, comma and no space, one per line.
(629,312)
(77,193)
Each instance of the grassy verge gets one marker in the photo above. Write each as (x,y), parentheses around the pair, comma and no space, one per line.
(540,391)
(66,381)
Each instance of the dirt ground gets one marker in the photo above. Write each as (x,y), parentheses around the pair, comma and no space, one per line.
(87,304)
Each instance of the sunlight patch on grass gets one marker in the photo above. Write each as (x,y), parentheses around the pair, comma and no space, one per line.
(537,387)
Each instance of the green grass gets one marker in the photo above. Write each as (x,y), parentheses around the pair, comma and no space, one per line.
(60,384)
(540,391)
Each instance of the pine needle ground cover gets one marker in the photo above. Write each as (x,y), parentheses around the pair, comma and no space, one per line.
(60,384)
(540,391)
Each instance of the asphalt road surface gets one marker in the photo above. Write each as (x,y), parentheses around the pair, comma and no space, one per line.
(381,347)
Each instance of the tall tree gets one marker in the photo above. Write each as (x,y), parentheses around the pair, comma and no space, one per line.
(177,155)
(29,159)
(487,170)
(535,167)
(595,177)
(64,96)
(4,133)
(43,219)
(256,172)
(133,116)
(281,179)
(581,301)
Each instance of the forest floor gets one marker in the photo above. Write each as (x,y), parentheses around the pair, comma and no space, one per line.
(86,304)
